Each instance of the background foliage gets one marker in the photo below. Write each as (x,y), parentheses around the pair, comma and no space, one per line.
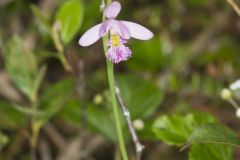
(54,95)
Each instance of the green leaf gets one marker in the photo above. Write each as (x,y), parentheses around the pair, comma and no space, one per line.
(55,98)
(71,112)
(9,117)
(141,97)
(101,121)
(210,152)
(70,16)
(175,129)
(21,65)
(213,133)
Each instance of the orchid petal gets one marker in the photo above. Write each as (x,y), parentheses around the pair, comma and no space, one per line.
(138,31)
(124,31)
(90,36)
(105,27)
(119,28)
(113,10)
(114,26)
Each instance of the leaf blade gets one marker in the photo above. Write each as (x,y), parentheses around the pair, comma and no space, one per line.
(210,152)
(70,15)
(214,133)
(21,65)
(141,96)
(175,129)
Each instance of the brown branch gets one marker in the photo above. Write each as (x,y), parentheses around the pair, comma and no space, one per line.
(138,146)
(234,6)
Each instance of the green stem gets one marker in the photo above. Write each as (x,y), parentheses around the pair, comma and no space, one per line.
(65,64)
(115,110)
(60,48)
(35,131)
(111,81)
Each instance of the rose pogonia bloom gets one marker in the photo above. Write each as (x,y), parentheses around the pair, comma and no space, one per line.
(120,33)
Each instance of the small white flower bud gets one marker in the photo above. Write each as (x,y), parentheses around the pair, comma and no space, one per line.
(138,124)
(226,94)
(98,99)
(238,113)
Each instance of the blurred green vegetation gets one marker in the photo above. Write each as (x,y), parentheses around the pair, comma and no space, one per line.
(54,92)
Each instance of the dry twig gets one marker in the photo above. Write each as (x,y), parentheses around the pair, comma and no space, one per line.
(234,6)
(138,146)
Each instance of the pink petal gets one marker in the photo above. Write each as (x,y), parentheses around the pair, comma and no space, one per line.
(124,31)
(105,27)
(114,26)
(91,36)
(113,10)
(119,28)
(137,31)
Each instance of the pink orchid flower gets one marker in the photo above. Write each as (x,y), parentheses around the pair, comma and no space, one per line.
(120,33)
